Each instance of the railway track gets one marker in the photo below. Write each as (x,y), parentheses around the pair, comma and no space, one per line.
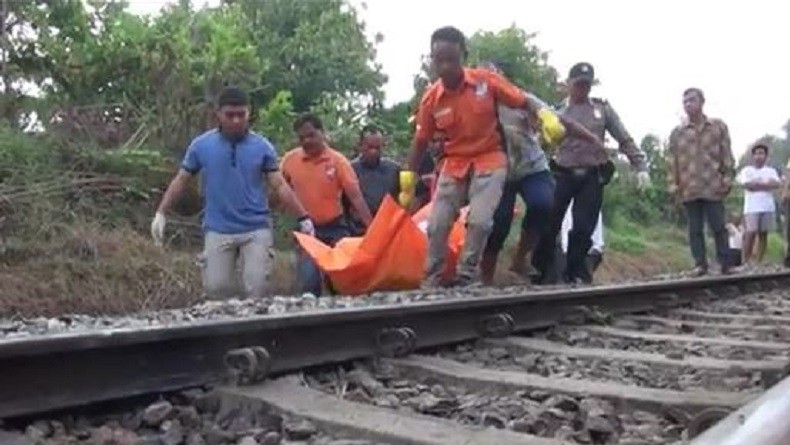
(650,363)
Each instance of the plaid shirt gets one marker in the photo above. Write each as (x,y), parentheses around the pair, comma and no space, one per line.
(701,165)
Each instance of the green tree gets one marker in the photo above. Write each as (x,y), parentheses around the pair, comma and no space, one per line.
(522,61)
(156,77)
(316,47)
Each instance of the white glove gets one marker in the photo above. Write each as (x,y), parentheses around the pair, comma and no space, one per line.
(306,226)
(642,180)
(158,229)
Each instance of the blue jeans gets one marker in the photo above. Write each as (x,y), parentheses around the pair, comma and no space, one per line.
(309,275)
(537,191)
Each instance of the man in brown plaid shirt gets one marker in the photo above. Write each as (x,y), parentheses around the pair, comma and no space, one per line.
(701,174)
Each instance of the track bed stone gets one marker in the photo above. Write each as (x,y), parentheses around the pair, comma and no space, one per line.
(192,417)
(580,420)
(575,336)
(628,372)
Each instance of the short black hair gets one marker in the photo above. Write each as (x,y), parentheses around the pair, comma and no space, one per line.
(760,146)
(308,118)
(369,129)
(696,91)
(232,96)
(450,34)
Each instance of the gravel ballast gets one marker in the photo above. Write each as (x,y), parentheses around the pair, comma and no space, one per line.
(583,420)
(578,337)
(619,371)
(192,417)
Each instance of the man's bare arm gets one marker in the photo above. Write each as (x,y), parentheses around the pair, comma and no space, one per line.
(176,188)
(284,194)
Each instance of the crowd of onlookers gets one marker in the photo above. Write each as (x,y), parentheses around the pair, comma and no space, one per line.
(479,142)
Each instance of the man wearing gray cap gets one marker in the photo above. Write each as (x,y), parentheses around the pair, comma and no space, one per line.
(581,171)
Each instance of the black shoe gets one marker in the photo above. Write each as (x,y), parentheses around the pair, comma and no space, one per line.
(699,271)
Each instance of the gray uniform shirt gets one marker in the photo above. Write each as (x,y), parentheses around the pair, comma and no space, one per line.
(599,117)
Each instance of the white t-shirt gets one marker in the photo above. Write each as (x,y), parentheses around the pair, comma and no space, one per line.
(761,201)
(567,223)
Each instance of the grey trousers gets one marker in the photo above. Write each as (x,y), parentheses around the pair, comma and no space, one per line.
(698,211)
(484,191)
(237,263)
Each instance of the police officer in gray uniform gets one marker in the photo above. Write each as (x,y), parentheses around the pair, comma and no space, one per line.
(581,171)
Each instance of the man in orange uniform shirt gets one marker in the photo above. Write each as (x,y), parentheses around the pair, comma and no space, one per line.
(462,106)
(320,176)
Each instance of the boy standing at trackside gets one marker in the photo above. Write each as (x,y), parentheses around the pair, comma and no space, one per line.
(237,221)
(701,170)
(786,209)
(320,176)
(595,254)
(461,106)
(378,175)
(759,182)
(735,230)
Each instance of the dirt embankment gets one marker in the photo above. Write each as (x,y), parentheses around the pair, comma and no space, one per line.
(115,272)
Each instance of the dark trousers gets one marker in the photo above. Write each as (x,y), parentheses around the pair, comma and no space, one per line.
(787,234)
(698,211)
(309,275)
(537,191)
(593,261)
(736,257)
(586,192)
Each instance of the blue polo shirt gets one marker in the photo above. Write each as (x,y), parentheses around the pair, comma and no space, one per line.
(231,173)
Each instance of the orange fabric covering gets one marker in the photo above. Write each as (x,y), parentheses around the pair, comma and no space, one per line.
(390,256)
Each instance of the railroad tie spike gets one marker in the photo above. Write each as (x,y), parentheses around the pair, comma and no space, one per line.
(728,291)
(248,365)
(752,287)
(667,299)
(396,342)
(704,420)
(497,325)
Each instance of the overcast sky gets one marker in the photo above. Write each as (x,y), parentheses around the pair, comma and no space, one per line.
(644,52)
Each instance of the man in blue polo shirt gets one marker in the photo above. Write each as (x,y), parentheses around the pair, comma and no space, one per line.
(237,221)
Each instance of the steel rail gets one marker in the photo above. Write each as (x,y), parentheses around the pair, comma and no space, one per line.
(763,421)
(44,373)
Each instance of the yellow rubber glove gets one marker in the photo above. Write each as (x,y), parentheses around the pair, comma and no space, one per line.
(408,184)
(551,129)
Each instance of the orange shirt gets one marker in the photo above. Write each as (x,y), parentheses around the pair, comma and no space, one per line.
(319,182)
(467,117)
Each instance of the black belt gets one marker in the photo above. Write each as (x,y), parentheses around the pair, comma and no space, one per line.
(606,171)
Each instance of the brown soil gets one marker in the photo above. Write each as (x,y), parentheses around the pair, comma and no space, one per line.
(91,271)
(101,272)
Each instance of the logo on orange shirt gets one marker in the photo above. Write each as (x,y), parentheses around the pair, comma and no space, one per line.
(330,170)
(481,89)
